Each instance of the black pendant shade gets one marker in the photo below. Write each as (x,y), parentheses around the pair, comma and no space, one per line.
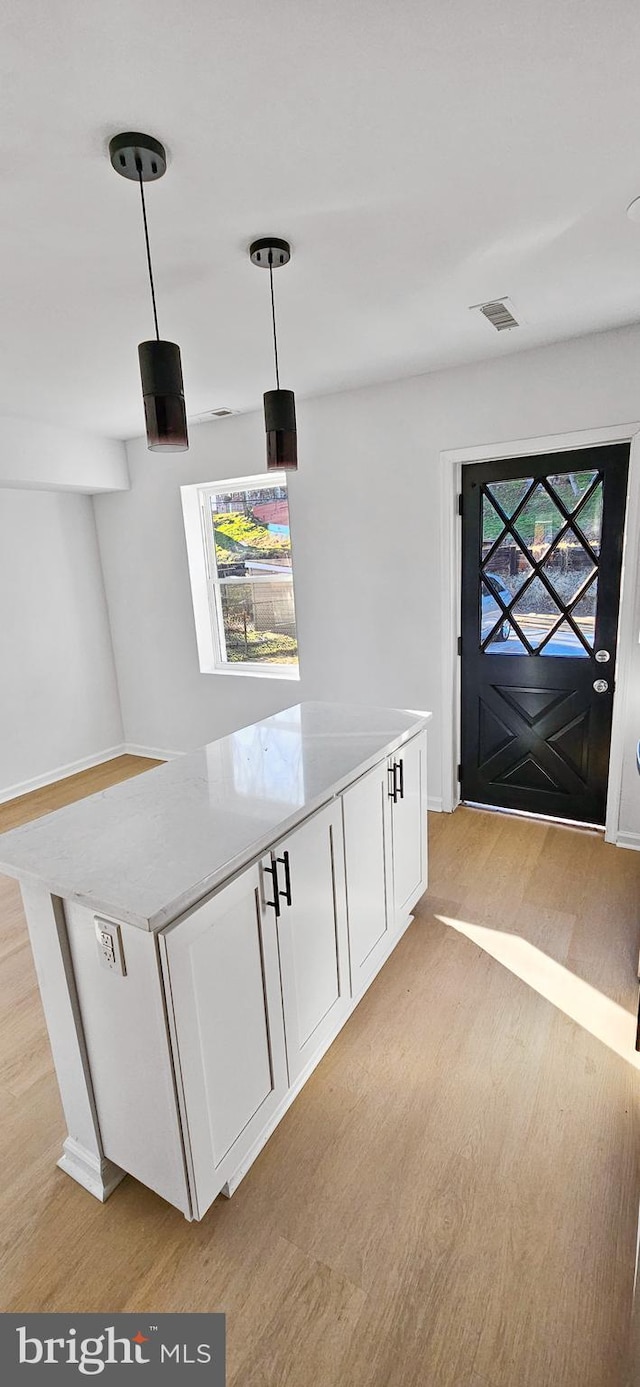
(163,394)
(143,160)
(269,253)
(280,427)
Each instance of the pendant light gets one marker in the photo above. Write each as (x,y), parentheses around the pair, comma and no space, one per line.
(143,160)
(270,253)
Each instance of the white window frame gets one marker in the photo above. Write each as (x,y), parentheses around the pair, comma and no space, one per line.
(205,583)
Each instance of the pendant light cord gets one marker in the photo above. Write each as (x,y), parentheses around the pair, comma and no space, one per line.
(273,316)
(146,241)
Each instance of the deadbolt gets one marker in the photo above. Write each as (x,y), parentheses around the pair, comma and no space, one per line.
(602,656)
(600,685)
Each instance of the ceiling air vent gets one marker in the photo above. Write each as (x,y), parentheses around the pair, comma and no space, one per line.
(211,414)
(498,313)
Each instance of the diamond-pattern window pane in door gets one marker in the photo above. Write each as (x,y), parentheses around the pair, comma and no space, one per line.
(584,613)
(564,641)
(508,568)
(509,494)
(571,486)
(492,525)
(536,612)
(568,568)
(539,522)
(589,519)
(496,627)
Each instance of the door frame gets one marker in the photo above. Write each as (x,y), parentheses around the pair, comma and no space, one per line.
(452,460)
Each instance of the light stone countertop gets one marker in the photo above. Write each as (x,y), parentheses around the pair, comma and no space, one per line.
(148,849)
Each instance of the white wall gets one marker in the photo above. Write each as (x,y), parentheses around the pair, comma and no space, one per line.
(365,513)
(40,455)
(58,694)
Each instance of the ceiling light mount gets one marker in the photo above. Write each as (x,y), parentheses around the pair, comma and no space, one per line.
(142,159)
(274,246)
(270,253)
(137,156)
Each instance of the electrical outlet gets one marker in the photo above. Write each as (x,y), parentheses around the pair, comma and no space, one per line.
(109,941)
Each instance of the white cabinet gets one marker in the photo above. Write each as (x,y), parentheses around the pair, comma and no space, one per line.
(246,939)
(369,874)
(223,984)
(258,980)
(303,891)
(408,785)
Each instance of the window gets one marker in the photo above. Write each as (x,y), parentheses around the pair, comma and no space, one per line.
(239,550)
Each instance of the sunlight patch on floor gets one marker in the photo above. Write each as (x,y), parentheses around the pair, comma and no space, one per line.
(599,1015)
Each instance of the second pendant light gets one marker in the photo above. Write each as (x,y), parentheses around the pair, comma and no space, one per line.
(269,253)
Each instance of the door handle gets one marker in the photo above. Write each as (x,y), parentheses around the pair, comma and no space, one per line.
(287,877)
(275,903)
(600,685)
(400,765)
(393,793)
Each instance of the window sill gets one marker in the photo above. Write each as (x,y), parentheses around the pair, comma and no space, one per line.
(254,672)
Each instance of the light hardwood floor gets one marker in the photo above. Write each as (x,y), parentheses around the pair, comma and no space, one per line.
(19,811)
(452,1199)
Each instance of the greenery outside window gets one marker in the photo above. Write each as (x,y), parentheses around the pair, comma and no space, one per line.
(246,536)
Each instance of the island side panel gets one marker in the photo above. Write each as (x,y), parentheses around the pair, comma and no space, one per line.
(129,1049)
(83,1154)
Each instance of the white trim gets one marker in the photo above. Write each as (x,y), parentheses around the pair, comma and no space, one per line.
(240,484)
(63,772)
(197,557)
(38,782)
(434,804)
(452,461)
(450,529)
(627,636)
(95,1173)
(548,443)
(153,752)
(256,671)
(628,840)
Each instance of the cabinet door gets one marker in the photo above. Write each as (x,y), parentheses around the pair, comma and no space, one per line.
(409,825)
(223,983)
(311,933)
(367,844)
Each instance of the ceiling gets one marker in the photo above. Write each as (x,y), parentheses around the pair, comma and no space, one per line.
(421,157)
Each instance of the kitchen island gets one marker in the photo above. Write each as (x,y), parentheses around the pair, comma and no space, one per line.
(202,933)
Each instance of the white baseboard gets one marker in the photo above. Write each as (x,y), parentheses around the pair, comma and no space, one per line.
(63,772)
(434,804)
(60,773)
(155,753)
(628,840)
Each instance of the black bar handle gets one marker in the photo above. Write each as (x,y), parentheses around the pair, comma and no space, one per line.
(392,792)
(287,877)
(275,903)
(396,787)
(401,768)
